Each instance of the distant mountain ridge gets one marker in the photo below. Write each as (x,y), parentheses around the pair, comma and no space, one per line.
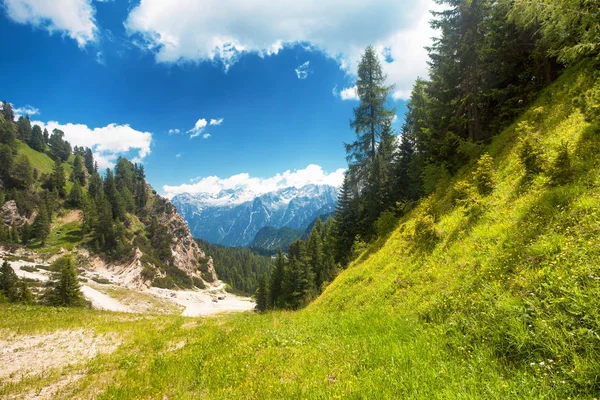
(233,217)
(271,239)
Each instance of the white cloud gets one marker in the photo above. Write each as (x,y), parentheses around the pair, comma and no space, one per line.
(302,71)
(178,155)
(312,174)
(174,131)
(26,110)
(198,128)
(107,143)
(349,94)
(220,31)
(73,18)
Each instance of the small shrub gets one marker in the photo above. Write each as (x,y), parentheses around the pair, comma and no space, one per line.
(561,171)
(164,283)
(29,268)
(386,223)
(100,280)
(358,247)
(199,283)
(483,176)
(530,157)
(425,233)
(148,273)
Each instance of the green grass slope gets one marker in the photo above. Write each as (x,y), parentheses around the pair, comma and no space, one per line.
(472,296)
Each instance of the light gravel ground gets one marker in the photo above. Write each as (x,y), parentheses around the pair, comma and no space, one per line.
(194,303)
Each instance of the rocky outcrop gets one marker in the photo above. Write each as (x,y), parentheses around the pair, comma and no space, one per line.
(185,250)
(9,214)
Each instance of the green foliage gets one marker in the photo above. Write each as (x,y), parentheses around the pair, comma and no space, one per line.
(261,295)
(561,170)
(60,148)
(41,225)
(529,153)
(425,233)
(63,289)
(386,223)
(483,176)
(239,267)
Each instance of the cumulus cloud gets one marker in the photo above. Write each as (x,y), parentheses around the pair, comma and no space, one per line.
(222,31)
(346,94)
(200,127)
(107,142)
(174,131)
(23,111)
(72,18)
(302,71)
(312,174)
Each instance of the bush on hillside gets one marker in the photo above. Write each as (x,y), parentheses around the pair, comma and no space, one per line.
(561,170)
(483,176)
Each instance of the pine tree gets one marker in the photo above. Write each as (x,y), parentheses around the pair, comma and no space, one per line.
(9,282)
(113,195)
(276,281)
(89,161)
(261,295)
(76,195)
(63,290)
(24,126)
(41,225)
(78,174)
(7,111)
(37,138)
(46,137)
(314,253)
(58,178)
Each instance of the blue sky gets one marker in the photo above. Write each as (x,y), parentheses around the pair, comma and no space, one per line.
(207,94)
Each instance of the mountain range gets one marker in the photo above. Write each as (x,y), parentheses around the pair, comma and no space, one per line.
(233,217)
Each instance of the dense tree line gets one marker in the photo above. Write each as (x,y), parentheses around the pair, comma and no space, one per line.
(302,274)
(239,267)
(111,202)
(489,62)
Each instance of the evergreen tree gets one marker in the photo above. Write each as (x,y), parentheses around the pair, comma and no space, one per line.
(76,195)
(7,111)
(9,282)
(113,195)
(41,225)
(314,253)
(46,137)
(63,290)
(78,174)
(89,161)
(61,149)
(58,178)
(37,138)
(276,281)
(22,172)
(261,295)
(24,127)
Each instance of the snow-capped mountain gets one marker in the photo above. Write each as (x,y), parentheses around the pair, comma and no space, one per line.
(233,217)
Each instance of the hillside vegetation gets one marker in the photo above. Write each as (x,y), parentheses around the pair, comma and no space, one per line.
(475,294)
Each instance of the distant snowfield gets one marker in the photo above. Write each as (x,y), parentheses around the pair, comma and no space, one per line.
(193,303)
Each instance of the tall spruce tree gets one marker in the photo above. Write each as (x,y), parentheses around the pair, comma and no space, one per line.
(276,281)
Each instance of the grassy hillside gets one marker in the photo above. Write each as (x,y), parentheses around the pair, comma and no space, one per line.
(472,296)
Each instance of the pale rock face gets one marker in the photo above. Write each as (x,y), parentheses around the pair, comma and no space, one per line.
(185,250)
(9,214)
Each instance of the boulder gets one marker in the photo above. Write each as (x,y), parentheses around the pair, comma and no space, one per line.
(9,214)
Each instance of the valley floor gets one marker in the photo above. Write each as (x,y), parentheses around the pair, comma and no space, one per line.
(100,288)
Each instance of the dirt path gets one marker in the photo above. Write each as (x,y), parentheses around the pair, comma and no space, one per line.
(101,301)
(206,302)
